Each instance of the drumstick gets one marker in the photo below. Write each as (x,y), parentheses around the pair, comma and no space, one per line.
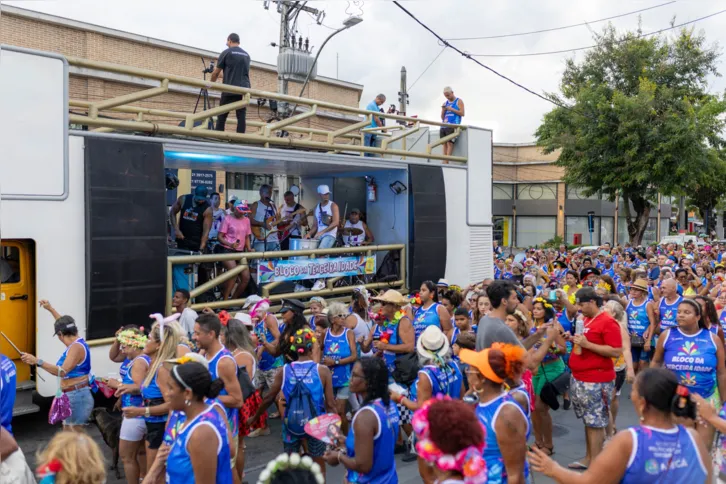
(16,349)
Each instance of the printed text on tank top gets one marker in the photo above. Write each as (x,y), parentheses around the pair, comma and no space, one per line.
(667,311)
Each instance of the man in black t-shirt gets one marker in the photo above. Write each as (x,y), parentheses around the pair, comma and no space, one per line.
(235,63)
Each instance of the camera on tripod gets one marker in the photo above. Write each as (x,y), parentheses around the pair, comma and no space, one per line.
(209,69)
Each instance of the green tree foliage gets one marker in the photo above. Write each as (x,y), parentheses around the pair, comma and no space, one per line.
(639,119)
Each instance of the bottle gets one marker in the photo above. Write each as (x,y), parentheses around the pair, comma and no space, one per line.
(579,329)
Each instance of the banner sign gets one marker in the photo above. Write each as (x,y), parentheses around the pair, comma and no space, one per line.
(276,270)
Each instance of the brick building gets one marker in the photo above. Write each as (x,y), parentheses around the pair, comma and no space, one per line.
(531,203)
(34,30)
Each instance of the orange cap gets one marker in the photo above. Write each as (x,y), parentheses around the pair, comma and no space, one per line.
(480,361)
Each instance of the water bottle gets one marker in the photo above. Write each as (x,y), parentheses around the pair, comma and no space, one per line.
(579,329)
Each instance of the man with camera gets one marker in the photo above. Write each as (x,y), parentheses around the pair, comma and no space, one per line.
(235,63)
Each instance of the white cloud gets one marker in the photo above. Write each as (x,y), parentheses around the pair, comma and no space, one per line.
(373,52)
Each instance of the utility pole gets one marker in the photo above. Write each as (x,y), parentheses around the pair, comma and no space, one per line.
(403,94)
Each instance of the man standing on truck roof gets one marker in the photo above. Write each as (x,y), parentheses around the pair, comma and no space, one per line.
(370,138)
(451,113)
(192,230)
(235,63)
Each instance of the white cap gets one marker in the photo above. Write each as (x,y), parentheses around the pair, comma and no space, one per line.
(323,189)
(245,318)
(232,198)
(251,300)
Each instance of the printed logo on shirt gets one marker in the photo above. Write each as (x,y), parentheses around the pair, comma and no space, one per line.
(190,215)
(689,349)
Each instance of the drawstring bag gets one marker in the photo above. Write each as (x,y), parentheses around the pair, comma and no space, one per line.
(60,409)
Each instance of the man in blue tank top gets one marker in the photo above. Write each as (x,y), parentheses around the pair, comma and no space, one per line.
(451,113)
(668,306)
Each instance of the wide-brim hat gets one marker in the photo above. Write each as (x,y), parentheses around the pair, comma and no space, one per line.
(432,342)
(392,296)
(588,271)
(640,284)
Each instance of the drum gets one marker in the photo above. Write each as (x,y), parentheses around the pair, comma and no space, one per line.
(303,244)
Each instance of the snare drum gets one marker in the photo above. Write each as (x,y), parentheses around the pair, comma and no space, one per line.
(303,244)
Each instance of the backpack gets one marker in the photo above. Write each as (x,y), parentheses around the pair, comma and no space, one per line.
(300,405)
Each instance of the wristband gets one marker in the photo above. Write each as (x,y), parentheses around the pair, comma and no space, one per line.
(39,362)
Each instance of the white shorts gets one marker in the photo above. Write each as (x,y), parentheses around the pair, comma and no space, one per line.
(133,429)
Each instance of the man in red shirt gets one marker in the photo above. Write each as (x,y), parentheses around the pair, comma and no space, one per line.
(593,373)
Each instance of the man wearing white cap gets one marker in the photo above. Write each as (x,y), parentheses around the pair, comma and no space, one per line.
(326,221)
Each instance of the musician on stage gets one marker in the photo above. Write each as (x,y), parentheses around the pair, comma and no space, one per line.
(297,220)
(356,232)
(327,218)
(264,216)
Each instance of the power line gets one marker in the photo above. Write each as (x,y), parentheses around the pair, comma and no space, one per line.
(427,68)
(531,54)
(468,56)
(564,26)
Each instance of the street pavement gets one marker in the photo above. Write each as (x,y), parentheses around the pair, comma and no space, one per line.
(33,432)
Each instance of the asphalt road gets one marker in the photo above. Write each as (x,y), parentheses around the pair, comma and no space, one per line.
(33,432)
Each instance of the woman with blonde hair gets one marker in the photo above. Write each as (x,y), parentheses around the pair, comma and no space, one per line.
(71,458)
(624,370)
(161,346)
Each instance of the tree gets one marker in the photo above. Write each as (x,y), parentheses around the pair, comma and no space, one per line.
(636,119)
(706,189)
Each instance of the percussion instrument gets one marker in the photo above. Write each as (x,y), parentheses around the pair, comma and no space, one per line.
(351,231)
(303,244)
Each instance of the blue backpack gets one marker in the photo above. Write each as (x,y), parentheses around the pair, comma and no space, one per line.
(300,405)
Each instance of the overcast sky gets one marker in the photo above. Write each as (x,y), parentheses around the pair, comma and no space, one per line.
(373,52)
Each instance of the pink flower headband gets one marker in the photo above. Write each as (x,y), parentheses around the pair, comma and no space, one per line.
(469,462)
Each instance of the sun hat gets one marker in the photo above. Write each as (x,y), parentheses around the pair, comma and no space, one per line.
(432,342)
(393,297)
(480,361)
(640,284)
(442,283)
(244,318)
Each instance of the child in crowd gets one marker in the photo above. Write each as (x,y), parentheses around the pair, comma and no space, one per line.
(462,321)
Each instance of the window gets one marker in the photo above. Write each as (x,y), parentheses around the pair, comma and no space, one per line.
(246,186)
(649,236)
(503,231)
(533,231)
(578,225)
(578,193)
(537,191)
(9,265)
(502,191)
(606,229)
(665,226)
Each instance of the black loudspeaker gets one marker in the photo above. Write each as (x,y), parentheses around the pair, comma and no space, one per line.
(126,245)
(427,226)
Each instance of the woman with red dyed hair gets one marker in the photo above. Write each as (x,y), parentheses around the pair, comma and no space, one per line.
(451,440)
(506,424)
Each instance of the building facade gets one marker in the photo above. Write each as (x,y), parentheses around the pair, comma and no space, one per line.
(531,204)
(34,30)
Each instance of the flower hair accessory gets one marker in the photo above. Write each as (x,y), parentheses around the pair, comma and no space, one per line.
(47,472)
(469,461)
(303,339)
(416,299)
(604,285)
(130,337)
(224,317)
(542,301)
(293,461)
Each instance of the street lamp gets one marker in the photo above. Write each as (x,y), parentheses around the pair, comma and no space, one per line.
(351,21)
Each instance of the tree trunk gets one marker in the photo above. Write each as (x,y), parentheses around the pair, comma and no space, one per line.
(637,225)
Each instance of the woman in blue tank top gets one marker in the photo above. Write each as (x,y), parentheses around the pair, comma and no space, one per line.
(392,335)
(339,354)
(201,447)
(132,372)
(506,424)
(73,367)
(367,452)
(430,313)
(642,321)
(658,451)
(696,356)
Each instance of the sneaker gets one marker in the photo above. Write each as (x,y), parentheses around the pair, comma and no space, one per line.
(566,403)
(319,284)
(300,288)
(259,433)
(399,449)
(409,457)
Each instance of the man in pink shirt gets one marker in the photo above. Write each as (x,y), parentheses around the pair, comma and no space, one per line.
(234,236)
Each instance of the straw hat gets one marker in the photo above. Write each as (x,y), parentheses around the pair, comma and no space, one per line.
(432,342)
(641,284)
(392,296)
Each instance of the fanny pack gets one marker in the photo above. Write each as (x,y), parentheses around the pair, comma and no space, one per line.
(153,402)
(636,341)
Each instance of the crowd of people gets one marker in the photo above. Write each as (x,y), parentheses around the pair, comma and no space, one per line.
(461,380)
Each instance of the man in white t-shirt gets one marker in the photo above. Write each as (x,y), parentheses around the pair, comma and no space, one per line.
(188,315)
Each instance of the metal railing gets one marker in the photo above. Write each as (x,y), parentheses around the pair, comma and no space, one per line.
(244,259)
(266,133)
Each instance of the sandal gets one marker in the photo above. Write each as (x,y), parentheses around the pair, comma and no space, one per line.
(549,451)
(577,466)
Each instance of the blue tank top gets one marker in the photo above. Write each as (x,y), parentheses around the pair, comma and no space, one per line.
(152,392)
(425,318)
(83,368)
(722,320)
(451,117)
(267,361)
(337,347)
(692,359)
(638,320)
(383,470)
(128,400)
(722,443)
(179,463)
(445,381)
(173,425)
(8,377)
(232,413)
(389,331)
(663,456)
(487,414)
(309,372)
(668,313)
(522,390)
(311,323)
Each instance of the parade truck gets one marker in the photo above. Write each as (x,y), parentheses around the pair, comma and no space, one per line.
(84,208)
